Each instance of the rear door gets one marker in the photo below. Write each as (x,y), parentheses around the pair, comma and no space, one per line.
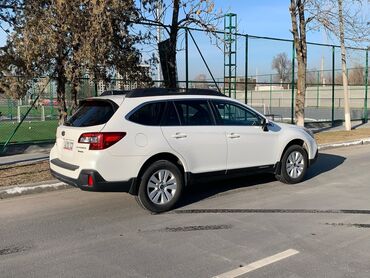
(189,128)
(91,116)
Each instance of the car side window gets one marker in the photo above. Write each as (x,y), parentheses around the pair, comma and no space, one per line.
(232,114)
(170,117)
(194,112)
(149,114)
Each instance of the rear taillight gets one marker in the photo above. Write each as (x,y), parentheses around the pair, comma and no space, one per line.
(101,140)
(90,181)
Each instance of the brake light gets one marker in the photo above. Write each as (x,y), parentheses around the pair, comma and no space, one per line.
(101,140)
(90,181)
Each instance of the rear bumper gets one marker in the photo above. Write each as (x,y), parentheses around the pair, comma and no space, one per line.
(99,184)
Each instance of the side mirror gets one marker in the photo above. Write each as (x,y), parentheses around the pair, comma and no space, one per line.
(265,123)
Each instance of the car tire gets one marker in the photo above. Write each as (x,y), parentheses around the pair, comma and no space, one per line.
(161,186)
(293,165)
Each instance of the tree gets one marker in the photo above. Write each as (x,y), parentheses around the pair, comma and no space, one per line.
(201,82)
(283,67)
(8,9)
(185,13)
(64,39)
(356,75)
(299,22)
(312,77)
(343,20)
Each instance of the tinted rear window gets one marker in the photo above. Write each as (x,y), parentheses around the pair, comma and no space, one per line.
(92,113)
(148,114)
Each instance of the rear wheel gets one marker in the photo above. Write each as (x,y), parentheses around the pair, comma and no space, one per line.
(293,165)
(160,187)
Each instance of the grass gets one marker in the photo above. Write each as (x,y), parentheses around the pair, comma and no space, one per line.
(342,136)
(28,131)
(35,112)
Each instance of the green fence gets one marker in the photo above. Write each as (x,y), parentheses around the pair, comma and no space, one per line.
(201,64)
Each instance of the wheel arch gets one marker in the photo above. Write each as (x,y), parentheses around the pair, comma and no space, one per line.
(160,156)
(297,141)
(292,142)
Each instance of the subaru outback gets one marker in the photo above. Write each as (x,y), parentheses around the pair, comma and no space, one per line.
(154,142)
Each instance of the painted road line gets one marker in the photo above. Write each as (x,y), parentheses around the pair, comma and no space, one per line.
(258,264)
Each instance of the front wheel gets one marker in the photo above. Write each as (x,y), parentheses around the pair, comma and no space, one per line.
(293,165)
(160,187)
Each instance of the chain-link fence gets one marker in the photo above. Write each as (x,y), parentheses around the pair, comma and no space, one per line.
(260,78)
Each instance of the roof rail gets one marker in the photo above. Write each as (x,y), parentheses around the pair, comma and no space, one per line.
(114,92)
(150,92)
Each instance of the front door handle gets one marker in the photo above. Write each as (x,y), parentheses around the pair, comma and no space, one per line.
(233,135)
(179,135)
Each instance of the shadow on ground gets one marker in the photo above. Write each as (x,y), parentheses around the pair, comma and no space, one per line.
(325,163)
(200,191)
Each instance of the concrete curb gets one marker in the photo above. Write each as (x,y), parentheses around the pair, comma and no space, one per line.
(364,141)
(26,189)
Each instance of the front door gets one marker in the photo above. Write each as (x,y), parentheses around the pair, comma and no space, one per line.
(248,144)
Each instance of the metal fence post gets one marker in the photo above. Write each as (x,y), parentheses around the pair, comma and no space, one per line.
(186,59)
(10,108)
(51,98)
(293,65)
(270,90)
(332,85)
(366,113)
(96,87)
(246,70)
(318,89)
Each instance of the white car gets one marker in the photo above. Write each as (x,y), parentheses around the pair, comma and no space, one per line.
(154,142)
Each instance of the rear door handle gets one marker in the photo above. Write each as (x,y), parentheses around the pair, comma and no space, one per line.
(179,135)
(233,135)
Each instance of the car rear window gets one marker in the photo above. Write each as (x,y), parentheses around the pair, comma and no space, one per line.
(148,114)
(92,113)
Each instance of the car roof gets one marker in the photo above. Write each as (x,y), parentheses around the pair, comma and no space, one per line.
(150,92)
(159,93)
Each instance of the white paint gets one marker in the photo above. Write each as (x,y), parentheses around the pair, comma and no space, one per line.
(21,189)
(258,264)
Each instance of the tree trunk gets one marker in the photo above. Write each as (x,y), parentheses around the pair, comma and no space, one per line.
(347,112)
(170,79)
(61,92)
(300,96)
(299,36)
(74,94)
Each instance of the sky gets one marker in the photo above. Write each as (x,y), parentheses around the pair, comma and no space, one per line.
(267,18)
(264,18)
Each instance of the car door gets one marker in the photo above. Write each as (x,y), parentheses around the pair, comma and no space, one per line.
(190,130)
(248,144)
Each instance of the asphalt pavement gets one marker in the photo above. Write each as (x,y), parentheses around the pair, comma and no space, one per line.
(255,227)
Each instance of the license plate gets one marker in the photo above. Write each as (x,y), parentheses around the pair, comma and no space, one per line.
(68,145)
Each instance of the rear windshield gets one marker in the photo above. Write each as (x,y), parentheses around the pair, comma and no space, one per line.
(92,113)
